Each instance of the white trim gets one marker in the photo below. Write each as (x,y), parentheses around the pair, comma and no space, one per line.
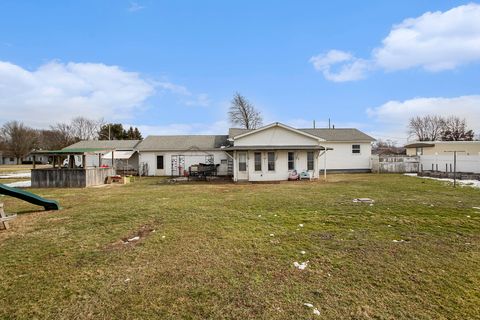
(281,125)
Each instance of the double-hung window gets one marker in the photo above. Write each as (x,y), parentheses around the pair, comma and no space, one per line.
(291,161)
(258,161)
(242,161)
(271,161)
(310,160)
(356,148)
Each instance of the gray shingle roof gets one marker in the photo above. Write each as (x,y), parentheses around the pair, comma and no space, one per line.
(106,144)
(338,134)
(184,142)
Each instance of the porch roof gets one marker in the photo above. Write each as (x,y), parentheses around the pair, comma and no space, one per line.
(295,147)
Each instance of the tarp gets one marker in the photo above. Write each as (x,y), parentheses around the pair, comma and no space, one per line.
(119,155)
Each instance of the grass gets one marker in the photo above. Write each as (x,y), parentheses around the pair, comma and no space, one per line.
(212,256)
(17,168)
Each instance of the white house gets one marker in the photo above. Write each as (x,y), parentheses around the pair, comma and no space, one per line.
(265,154)
(271,152)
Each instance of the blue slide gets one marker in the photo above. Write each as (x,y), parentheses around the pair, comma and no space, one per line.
(29,197)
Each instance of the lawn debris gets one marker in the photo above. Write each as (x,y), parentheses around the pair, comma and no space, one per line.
(301,225)
(363,200)
(401,240)
(311,306)
(133,239)
(272,235)
(302,252)
(301,266)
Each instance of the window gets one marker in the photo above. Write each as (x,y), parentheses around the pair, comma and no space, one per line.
(160,162)
(258,161)
(310,160)
(271,161)
(291,161)
(242,161)
(355,148)
(419,151)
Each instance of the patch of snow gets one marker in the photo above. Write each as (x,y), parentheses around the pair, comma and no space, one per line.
(302,252)
(271,235)
(398,240)
(316,312)
(127,280)
(19,184)
(300,266)
(365,200)
(16,175)
(301,225)
(134,239)
(163,237)
(308,305)
(259,215)
(468,183)
(476,208)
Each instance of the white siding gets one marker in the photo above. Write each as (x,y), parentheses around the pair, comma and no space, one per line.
(445,163)
(191,157)
(342,158)
(275,136)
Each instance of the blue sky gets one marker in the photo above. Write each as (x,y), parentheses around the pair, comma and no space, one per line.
(173,66)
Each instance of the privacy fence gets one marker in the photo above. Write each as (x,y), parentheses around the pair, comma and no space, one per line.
(437,163)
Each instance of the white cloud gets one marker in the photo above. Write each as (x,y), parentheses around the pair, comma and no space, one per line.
(59,91)
(392,117)
(435,41)
(135,6)
(350,69)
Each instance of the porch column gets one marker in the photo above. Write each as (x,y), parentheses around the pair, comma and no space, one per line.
(33,162)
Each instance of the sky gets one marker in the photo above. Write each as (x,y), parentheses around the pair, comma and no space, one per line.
(172,67)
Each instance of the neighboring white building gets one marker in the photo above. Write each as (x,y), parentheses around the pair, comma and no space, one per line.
(124,153)
(269,153)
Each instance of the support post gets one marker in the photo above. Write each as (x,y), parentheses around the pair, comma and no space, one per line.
(33,161)
(113,161)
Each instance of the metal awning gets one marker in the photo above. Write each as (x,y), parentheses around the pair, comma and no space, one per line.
(77,151)
(119,155)
(420,145)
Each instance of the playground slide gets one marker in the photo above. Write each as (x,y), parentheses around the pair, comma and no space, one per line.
(29,197)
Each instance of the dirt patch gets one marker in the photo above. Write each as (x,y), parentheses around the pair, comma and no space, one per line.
(132,239)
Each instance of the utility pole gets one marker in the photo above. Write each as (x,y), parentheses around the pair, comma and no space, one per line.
(454,166)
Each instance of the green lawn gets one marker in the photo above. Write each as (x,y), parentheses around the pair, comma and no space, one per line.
(212,255)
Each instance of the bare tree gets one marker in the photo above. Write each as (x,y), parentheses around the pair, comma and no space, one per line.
(18,139)
(243,113)
(426,128)
(387,147)
(85,129)
(456,130)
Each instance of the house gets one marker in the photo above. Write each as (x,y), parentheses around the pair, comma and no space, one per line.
(271,152)
(7,158)
(428,148)
(173,155)
(124,153)
(268,153)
